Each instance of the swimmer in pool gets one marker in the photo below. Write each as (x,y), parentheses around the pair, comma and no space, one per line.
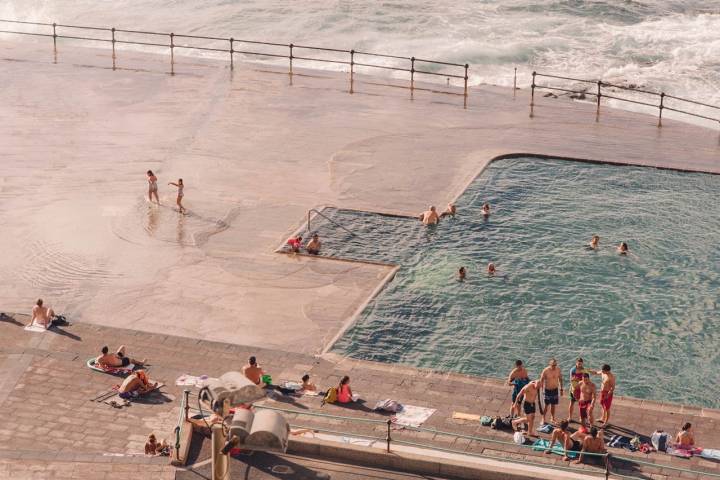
(486,209)
(430,217)
(461,274)
(152,187)
(623,248)
(594,242)
(313,246)
(180,186)
(491,270)
(450,211)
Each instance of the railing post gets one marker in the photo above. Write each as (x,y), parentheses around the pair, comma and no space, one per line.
(308,223)
(113,46)
(607,466)
(599,95)
(291,58)
(172,54)
(532,93)
(466,85)
(412,76)
(352,69)
(186,392)
(514,82)
(389,423)
(54,43)
(660,107)
(232,63)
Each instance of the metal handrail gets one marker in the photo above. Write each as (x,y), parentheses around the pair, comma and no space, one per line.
(231,51)
(326,218)
(599,94)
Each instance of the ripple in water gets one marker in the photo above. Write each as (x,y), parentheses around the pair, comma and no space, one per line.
(652,315)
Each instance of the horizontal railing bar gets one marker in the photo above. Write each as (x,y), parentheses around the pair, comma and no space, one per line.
(693,114)
(654,105)
(143,43)
(320,60)
(71,37)
(260,54)
(628,88)
(324,49)
(691,101)
(382,55)
(386,67)
(565,78)
(263,43)
(142,32)
(210,49)
(82,28)
(28,33)
(439,74)
(177,35)
(565,90)
(662,465)
(439,63)
(27,23)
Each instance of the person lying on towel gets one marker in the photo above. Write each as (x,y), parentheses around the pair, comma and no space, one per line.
(117,359)
(136,384)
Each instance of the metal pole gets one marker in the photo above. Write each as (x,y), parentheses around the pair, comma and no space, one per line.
(113,46)
(308,225)
(607,466)
(232,65)
(660,107)
(220,462)
(352,69)
(465,95)
(532,94)
(412,76)
(187,404)
(291,57)
(389,422)
(514,82)
(54,43)
(172,54)
(599,95)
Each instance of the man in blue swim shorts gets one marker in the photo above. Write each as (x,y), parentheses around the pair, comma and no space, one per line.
(551,380)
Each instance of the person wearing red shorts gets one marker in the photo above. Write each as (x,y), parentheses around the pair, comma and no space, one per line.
(586,402)
(576,375)
(606,392)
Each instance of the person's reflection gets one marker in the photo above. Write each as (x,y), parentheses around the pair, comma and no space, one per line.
(152,220)
(181,229)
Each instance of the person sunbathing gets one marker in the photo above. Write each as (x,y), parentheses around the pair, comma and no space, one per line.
(153,447)
(41,315)
(136,384)
(253,372)
(117,359)
(307,385)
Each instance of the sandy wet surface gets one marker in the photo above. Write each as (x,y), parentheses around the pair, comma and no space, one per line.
(255,153)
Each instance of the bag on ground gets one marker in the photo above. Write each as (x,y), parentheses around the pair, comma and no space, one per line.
(660,440)
(388,405)
(331,395)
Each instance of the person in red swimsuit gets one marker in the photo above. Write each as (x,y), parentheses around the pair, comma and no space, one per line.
(586,402)
(295,243)
(606,392)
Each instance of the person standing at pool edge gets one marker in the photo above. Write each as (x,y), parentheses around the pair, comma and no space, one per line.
(528,395)
(152,187)
(606,392)
(518,378)
(551,380)
(576,375)
(180,194)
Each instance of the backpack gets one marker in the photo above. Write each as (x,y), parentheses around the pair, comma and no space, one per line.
(519,438)
(502,423)
(486,421)
(660,440)
(388,405)
(331,395)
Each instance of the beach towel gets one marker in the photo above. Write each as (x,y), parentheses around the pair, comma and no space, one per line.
(35,328)
(412,416)
(679,452)
(466,416)
(545,428)
(121,371)
(186,380)
(542,445)
(710,453)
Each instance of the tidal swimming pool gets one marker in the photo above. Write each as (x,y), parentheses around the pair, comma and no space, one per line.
(653,315)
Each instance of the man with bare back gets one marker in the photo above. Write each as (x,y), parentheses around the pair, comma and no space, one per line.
(551,380)
(528,395)
(41,315)
(606,392)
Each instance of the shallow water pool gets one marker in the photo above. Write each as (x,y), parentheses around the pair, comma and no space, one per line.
(653,315)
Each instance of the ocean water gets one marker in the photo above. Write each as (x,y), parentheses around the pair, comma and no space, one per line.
(652,315)
(669,45)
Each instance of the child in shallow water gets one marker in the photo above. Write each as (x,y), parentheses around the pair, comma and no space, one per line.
(180,194)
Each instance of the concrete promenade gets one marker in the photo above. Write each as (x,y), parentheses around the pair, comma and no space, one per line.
(49,414)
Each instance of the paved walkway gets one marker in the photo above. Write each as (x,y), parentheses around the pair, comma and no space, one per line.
(49,391)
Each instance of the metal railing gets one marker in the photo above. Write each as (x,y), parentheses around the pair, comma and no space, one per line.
(600,90)
(182,418)
(289,51)
(312,210)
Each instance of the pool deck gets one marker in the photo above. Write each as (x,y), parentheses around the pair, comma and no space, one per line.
(47,391)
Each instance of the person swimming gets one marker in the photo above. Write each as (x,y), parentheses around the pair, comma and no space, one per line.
(450,211)
(430,217)
(594,242)
(491,270)
(486,209)
(623,248)
(462,273)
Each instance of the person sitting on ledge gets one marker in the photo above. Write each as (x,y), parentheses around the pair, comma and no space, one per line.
(153,447)
(41,315)
(450,211)
(429,217)
(562,436)
(591,442)
(313,246)
(136,384)
(118,359)
(295,243)
(307,385)
(345,394)
(685,438)
(253,372)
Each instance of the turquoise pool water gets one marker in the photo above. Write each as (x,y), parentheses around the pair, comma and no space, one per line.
(653,315)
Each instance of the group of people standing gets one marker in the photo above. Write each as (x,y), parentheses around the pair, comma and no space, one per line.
(153,190)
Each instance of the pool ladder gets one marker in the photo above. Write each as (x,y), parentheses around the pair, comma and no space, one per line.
(326,218)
